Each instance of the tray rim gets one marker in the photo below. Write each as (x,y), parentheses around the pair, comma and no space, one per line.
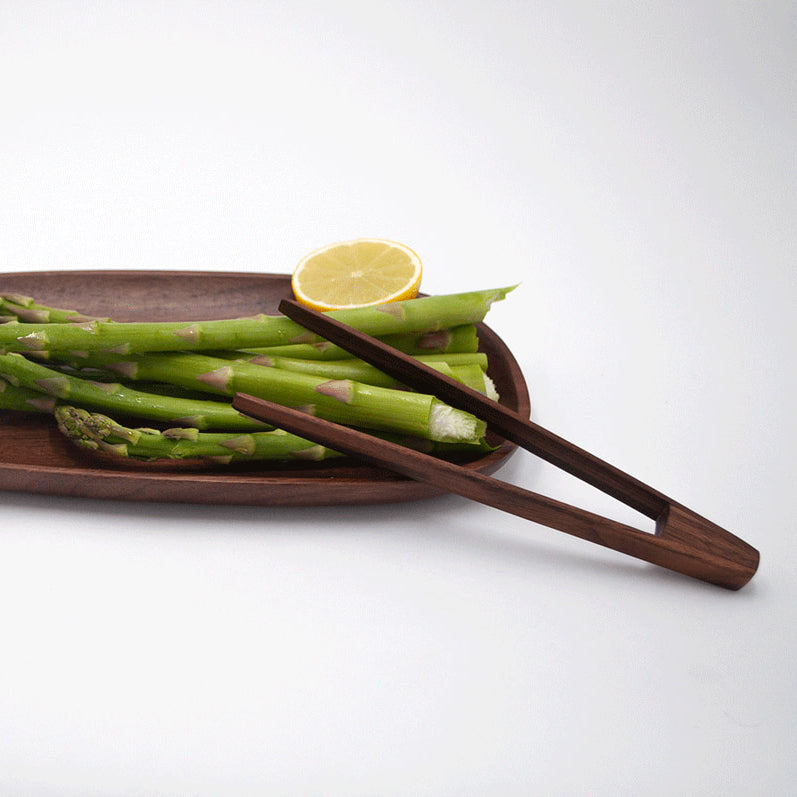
(336,483)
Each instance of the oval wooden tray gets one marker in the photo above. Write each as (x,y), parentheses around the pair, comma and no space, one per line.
(35,458)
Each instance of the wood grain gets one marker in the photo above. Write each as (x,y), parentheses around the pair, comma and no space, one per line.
(684,541)
(34,457)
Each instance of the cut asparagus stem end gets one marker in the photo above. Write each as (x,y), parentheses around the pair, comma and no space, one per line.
(447,424)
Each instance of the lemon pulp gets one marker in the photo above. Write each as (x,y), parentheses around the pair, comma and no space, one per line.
(358,273)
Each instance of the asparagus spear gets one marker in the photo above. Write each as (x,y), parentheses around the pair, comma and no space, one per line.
(114,397)
(344,401)
(459,339)
(351,368)
(361,371)
(462,338)
(425,314)
(341,400)
(474,376)
(25,309)
(23,399)
(100,433)
(461,368)
(332,395)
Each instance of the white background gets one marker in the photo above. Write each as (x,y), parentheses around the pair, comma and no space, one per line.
(633,166)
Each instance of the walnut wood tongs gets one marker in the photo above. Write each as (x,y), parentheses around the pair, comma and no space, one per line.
(683,541)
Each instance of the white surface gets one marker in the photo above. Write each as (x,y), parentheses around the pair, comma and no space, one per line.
(633,165)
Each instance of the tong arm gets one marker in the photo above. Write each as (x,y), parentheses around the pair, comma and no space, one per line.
(684,541)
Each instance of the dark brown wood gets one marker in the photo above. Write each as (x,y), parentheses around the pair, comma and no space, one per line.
(34,458)
(684,541)
(501,419)
(730,565)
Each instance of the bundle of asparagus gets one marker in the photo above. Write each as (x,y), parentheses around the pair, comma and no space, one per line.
(183,374)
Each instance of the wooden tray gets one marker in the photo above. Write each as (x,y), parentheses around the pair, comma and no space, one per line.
(35,458)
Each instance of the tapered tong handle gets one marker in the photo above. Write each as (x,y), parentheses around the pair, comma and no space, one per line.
(684,541)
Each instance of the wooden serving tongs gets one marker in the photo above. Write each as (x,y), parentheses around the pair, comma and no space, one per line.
(683,541)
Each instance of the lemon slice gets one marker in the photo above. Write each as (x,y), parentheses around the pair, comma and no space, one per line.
(357,273)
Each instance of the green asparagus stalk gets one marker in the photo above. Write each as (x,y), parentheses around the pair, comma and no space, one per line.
(98,432)
(341,400)
(467,368)
(333,396)
(116,398)
(459,367)
(424,314)
(360,371)
(22,399)
(98,363)
(475,377)
(25,309)
(92,373)
(462,338)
